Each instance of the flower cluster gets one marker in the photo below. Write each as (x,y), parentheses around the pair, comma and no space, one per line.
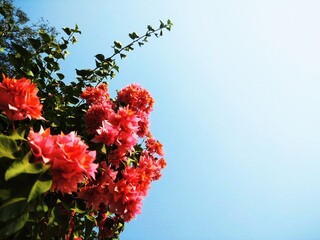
(123,195)
(109,169)
(67,155)
(19,100)
(126,173)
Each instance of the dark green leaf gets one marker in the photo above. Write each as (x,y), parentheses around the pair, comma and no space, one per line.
(84,72)
(133,35)
(150,28)
(12,208)
(100,57)
(7,147)
(4,194)
(117,44)
(60,76)
(36,43)
(162,25)
(67,30)
(13,226)
(45,36)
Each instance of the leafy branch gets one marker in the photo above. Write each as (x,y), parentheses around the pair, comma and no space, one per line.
(106,67)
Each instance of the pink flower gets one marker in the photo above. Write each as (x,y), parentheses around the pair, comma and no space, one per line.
(107,133)
(154,146)
(144,124)
(95,95)
(67,155)
(150,167)
(119,129)
(19,100)
(96,114)
(136,98)
(123,195)
(42,145)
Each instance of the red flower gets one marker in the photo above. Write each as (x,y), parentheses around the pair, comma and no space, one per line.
(154,146)
(19,100)
(94,95)
(96,114)
(119,129)
(68,156)
(123,196)
(136,97)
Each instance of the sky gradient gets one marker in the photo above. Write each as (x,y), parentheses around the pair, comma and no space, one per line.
(236,85)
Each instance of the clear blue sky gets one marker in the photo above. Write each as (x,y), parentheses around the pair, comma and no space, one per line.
(237,86)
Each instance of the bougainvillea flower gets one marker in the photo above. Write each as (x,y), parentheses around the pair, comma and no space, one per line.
(68,156)
(154,146)
(119,129)
(136,98)
(96,114)
(123,196)
(144,124)
(19,100)
(95,95)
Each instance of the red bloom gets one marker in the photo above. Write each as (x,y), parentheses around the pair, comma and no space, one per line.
(124,195)
(119,129)
(19,100)
(68,156)
(96,114)
(144,124)
(151,167)
(94,95)
(136,97)
(154,146)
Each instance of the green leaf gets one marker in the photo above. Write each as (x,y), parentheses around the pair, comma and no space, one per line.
(133,35)
(162,25)
(36,43)
(117,44)
(24,166)
(84,72)
(27,72)
(100,57)
(7,147)
(4,194)
(45,36)
(12,208)
(74,40)
(18,134)
(39,187)
(67,30)
(89,227)
(150,28)
(13,226)
(21,50)
(60,76)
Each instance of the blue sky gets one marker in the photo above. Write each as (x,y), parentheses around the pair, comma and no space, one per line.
(236,85)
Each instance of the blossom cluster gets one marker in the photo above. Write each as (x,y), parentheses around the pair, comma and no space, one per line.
(122,185)
(67,155)
(111,168)
(19,100)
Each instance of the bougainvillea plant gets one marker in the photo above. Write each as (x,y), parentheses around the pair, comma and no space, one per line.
(74,162)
